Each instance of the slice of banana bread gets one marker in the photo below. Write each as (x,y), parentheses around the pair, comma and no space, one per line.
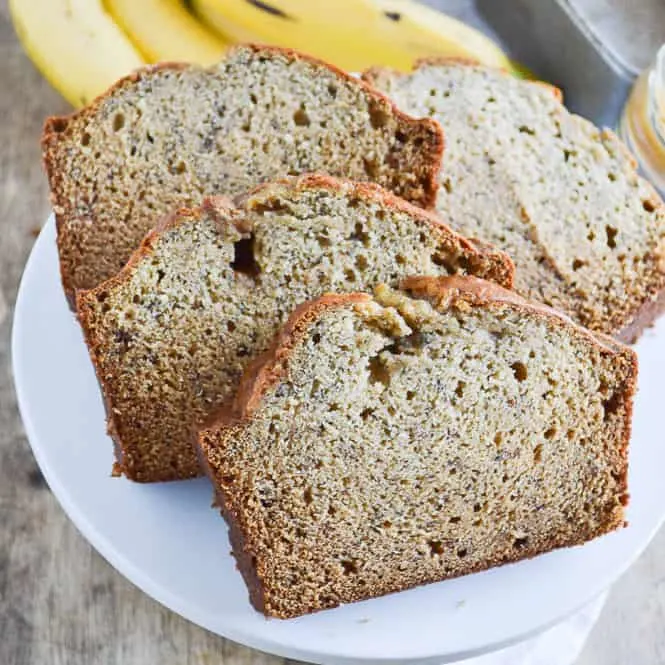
(387,442)
(561,197)
(171,134)
(171,334)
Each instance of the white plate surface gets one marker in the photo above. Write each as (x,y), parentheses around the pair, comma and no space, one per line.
(167,540)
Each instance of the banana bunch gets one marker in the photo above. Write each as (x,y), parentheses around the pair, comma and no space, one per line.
(352,34)
(83,46)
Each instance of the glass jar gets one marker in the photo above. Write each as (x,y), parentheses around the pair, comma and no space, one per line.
(642,125)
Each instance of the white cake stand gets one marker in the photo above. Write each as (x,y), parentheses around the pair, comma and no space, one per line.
(167,540)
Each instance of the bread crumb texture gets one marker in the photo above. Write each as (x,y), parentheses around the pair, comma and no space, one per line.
(171,134)
(422,435)
(559,195)
(171,334)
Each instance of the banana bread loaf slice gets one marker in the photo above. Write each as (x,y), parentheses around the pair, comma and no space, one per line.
(561,197)
(387,442)
(171,334)
(169,135)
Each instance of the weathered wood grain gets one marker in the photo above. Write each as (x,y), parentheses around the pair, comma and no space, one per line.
(60,603)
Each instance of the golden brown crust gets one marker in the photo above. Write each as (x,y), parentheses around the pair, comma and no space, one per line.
(272,365)
(444,291)
(498,263)
(643,319)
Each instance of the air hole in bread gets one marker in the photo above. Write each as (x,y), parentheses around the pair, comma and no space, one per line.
(648,205)
(361,262)
(349,567)
(520,543)
(538,452)
(410,395)
(85,139)
(611,405)
(316,338)
(462,552)
(455,519)
(378,117)
(332,90)
(400,136)
(118,122)
(435,547)
(301,118)
(459,388)
(371,168)
(524,129)
(578,263)
(443,262)
(448,186)
(360,234)
(243,257)
(350,275)
(366,413)
(611,236)
(550,433)
(520,371)
(307,495)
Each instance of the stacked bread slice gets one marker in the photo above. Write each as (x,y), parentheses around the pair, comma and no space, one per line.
(360,444)
(172,134)
(418,435)
(562,197)
(171,334)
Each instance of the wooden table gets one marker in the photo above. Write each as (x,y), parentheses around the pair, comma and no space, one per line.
(62,604)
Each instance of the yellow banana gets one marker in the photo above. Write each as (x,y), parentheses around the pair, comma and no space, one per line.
(75,44)
(432,33)
(165,30)
(353,34)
